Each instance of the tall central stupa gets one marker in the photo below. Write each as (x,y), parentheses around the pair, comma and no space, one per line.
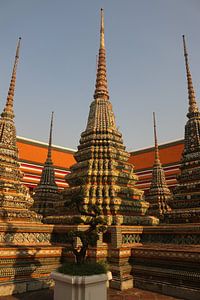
(102,174)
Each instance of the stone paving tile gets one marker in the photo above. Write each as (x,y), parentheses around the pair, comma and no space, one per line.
(131,297)
(136,294)
(132,294)
(36,295)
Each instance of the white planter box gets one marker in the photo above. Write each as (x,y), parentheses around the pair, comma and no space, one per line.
(80,287)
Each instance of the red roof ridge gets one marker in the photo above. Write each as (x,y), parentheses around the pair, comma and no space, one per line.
(161,145)
(36,142)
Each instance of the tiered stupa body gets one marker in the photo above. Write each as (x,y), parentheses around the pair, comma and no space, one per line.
(15,200)
(46,195)
(159,193)
(102,175)
(186,202)
(26,252)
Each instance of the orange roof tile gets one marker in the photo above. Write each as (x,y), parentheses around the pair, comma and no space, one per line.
(34,152)
(169,154)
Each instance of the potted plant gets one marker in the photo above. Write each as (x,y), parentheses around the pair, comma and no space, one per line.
(82,280)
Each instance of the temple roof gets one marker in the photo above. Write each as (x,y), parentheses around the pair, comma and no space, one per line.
(170,153)
(36,152)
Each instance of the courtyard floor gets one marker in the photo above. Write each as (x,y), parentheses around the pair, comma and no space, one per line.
(131,294)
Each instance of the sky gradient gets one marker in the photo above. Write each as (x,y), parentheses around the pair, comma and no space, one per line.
(57,67)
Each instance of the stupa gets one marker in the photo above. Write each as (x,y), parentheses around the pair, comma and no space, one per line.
(46,195)
(15,200)
(186,200)
(159,193)
(165,258)
(26,254)
(102,175)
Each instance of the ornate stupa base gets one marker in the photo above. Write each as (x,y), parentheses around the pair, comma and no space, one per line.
(109,220)
(187,215)
(12,215)
(27,257)
(140,220)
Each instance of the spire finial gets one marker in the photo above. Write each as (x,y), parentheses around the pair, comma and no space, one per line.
(155,138)
(101,88)
(50,138)
(102,42)
(10,98)
(191,94)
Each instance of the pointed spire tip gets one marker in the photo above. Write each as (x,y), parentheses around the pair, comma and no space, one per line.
(50,139)
(155,138)
(101,88)
(193,108)
(8,109)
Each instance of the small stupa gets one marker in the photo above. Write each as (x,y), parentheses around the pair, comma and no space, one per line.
(46,195)
(159,193)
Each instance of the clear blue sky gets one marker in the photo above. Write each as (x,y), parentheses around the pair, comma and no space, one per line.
(145,65)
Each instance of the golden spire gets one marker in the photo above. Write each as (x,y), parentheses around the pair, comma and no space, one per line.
(191,94)
(102,39)
(8,110)
(50,138)
(101,88)
(155,139)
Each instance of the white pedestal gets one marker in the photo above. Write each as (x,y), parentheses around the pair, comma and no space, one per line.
(80,287)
